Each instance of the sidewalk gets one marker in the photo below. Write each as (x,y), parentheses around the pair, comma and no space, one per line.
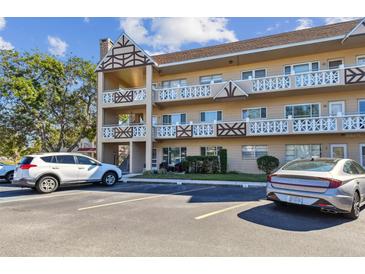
(129,179)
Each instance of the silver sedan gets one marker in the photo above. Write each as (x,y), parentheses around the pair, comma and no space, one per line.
(333,185)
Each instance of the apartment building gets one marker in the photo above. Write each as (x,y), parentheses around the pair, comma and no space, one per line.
(290,95)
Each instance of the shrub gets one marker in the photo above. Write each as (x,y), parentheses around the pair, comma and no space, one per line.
(162,171)
(201,164)
(267,163)
(223,160)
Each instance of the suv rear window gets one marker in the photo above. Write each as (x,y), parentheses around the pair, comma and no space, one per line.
(49,159)
(65,159)
(321,166)
(26,160)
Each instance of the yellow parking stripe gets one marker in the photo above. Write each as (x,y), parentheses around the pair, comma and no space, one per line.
(144,198)
(222,210)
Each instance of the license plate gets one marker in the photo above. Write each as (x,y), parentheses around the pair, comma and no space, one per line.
(295,200)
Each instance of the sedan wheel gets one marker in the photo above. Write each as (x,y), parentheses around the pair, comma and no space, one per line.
(47,185)
(110,178)
(355,211)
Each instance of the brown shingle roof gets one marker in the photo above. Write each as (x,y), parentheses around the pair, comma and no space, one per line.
(261,42)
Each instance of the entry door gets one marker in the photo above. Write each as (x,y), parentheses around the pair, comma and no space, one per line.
(336,107)
(338,151)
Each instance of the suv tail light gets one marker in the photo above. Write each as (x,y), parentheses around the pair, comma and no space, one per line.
(27,166)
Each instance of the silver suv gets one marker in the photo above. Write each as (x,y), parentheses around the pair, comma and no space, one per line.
(47,172)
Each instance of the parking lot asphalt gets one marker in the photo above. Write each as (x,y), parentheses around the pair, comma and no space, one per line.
(137,219)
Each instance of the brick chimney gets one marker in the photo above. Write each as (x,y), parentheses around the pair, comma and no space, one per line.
(105,46)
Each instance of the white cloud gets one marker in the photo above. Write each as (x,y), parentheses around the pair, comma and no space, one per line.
(2,23)
(170,34)
(304,23)
(86,20)
(333,20)
(57,46)
(5,45)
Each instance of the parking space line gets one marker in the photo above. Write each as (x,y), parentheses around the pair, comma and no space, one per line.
(144,198)
(222,210)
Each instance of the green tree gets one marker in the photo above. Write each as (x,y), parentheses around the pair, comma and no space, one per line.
(46,104)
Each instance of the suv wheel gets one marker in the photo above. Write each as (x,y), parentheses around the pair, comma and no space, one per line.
(47,184)
(9,177)
(109,178)
(355,210)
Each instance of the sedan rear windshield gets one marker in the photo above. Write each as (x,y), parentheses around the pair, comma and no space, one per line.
(323,166)
(26,160)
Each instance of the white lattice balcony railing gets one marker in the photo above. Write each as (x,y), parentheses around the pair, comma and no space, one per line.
(318,78)
(124,96)
(166,131)
(203,130)
(182,93)
(271,83)
(125,131)
(318,124)
(355,122)
(268,127)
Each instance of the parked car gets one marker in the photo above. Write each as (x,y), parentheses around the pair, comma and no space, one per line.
(333,185)
(7,172)
(47,172)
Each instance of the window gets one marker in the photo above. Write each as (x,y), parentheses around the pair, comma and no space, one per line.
(174,83)
(211,79)
(336,108)
(360,60)
(210,116)
(254,113)
(301,68)
(26,160)
(85,161)
(210,151)
(293,152)
(49,159)
(251,74)
(350,168)
(173,155)
(65,159)
(174,119)
(362,106)
(362,154)
(309,165)
(302,111)
(335,64)
(253,152)
(360,169)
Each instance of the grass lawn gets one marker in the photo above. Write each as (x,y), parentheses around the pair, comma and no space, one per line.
(217,177)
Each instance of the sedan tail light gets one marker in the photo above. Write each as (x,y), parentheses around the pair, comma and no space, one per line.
(333,183)
(269,177)
(27,166)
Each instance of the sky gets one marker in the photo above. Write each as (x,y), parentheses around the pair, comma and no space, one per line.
(64,37)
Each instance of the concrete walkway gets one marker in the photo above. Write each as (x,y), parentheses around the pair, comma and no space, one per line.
(129,179)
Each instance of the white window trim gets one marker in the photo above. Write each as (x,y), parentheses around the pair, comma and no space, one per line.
(335,59)
(174,113)
(358,104)
(174,80)
(320,109)
(255,157)
(338,145)
(253,73)
(200,115)
(168,152)
(310,146)
(211,146)
(210,75)
(361,158)
(333,102)
(304,63)
(254,108)
(358,57)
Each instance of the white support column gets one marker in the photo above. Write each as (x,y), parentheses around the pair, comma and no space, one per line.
(148,117)
(100,118)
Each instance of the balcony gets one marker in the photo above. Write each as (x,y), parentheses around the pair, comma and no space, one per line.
(123,132)
(183,93)
(122,96)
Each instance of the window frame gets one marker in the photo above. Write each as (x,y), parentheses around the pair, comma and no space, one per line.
(243,109)
(343,103)
(335,59)
(254,151)
(362,157)
(200,116)
(339,145)
(211,76)
(254,74)
(319,110)
(357,59)
(169,152)
(358,105)
(296,156)
(177,113)
(310,63)
(180,79)
(217,149)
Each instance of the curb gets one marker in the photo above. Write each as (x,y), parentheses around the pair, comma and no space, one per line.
(195,182)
